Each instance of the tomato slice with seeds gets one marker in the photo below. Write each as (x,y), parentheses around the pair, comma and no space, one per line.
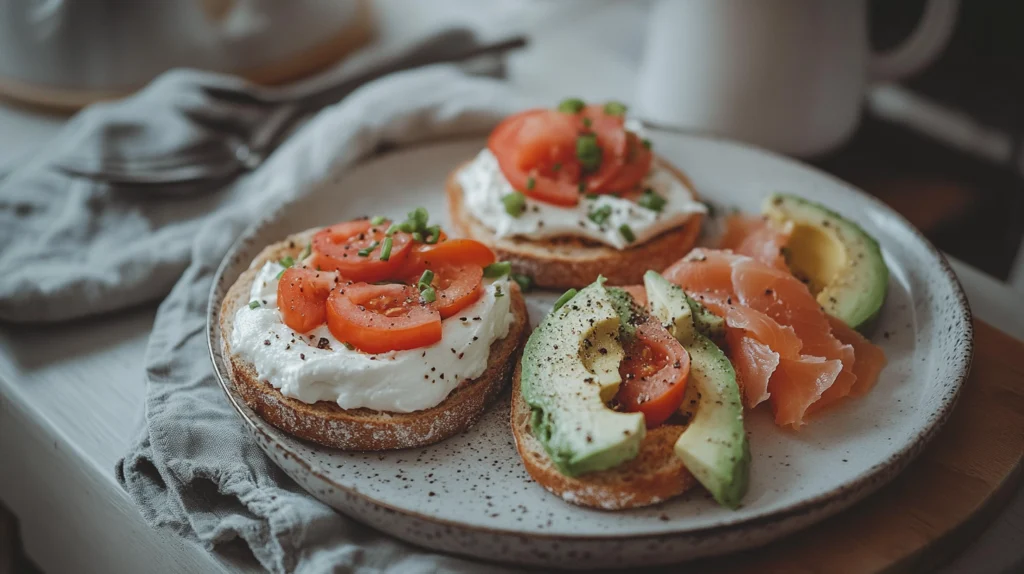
(457,287)
(654,374)
(337,248)
(382,318)
(458,272)
(536,151)
(302,297)
(450,252)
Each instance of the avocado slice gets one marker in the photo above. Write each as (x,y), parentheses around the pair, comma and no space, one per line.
(570,369)
(714,446)
(841,263)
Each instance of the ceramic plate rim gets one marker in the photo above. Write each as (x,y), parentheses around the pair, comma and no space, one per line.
(856,487)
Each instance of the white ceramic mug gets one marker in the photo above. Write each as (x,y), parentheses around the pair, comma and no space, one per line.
(788,75)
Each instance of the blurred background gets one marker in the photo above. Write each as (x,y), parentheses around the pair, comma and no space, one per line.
(941,144)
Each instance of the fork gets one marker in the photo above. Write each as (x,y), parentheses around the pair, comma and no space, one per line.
(232,153)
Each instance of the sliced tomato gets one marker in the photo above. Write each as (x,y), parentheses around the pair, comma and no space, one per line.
(450,252)
(382,318)
(457,287)
(538,144)
(536,152)
(302,296)
(336,248)
(654,374)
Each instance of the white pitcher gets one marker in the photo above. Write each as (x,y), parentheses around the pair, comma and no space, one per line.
(789,75)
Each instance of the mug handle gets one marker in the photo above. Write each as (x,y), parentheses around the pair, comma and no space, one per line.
(922,46)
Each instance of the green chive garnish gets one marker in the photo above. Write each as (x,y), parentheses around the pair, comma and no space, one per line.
(377,220)
(254,304)
(627,233)
(600,215)
(385,249)
(581,186)
(348,345)
(426,279)
(305,252)
(571,105)
(406,226)
(530,182)
(392,229)
(433,234)
(497,269)
(615,108)
(417,236)
(525,281)
(651,200)
(588,152)
(590,195)
(429,295)
(515,203)
(287,262)
(498,292)
(366,251)
(587,122)
(419,217)
(281,273)
(646,142)
(565,298)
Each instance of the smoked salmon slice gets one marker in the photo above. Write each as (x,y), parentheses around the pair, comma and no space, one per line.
(869,358)
(754,363)
(797,384)
(756,238)
(704,271)
(781,339)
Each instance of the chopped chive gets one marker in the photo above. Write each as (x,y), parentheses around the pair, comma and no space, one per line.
(497,269)
(627,233)
(581,186)
(588,152)
(530,182)
(305,252)
(646,142)
(571,105)
(392,229)
(651,200)
(406,226)
(498,292)
(281,273)
(557,166)
(515,203)
(426,279)
(348,345)
(254,304)
(385,249)
(287,262)
(615,108)
(525,281)
(377,220)
(590,195)
(565,298)
(587,122)
(433,234)
(418,217)
(366,251)
(600,215)
(417,236)
(429,295)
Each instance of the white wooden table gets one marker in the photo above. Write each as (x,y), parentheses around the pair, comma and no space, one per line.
(71,396)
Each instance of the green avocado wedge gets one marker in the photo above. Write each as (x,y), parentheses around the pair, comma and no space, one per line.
(841,264)
(570,370)
(714,446)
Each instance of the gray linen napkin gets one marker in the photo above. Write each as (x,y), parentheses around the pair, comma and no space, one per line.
(194,469)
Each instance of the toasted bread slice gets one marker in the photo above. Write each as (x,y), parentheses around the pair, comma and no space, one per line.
(656,474)
(365,429)
(564,262)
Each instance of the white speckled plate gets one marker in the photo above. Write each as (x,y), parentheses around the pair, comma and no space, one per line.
(470,494)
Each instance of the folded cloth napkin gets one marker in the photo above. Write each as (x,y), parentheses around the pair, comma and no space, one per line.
(194,469)
(72,247)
